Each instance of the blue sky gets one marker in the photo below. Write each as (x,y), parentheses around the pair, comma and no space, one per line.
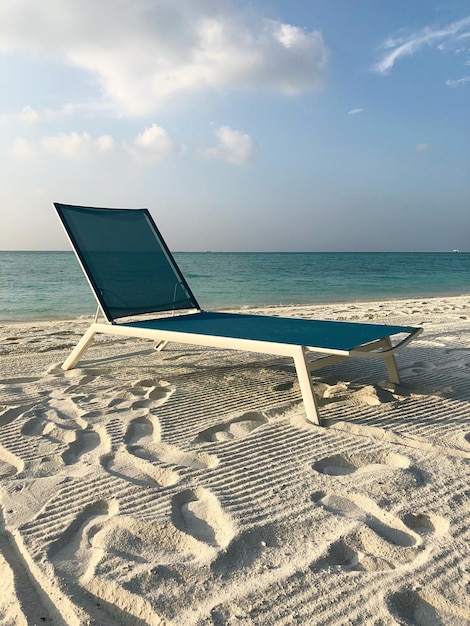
(241,124)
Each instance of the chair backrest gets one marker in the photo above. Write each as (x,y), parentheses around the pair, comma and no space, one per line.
(126,261)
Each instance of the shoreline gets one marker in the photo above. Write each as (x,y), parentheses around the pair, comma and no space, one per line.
(291,306)
(186,487)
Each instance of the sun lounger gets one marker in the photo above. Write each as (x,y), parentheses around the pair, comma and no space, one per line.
(133,274)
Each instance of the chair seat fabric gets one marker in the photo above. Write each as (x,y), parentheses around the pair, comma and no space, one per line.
(330,335)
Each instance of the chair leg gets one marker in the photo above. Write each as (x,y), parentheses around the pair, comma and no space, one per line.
(81,347)
(306,386)
(390,362)
(161,345)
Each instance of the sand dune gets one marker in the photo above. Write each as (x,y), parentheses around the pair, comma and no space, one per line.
(185,487)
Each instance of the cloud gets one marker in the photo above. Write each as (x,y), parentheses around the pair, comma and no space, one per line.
(104,143)
(23,149)
(233,147)
(401,47)
(355,111)
(77,146)
(151,145)
(145,54)
(28,115)
(422,147)
(458,82)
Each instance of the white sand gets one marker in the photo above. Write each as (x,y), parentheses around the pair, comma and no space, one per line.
(186,487)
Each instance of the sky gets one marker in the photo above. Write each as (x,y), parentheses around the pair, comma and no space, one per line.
(243,125)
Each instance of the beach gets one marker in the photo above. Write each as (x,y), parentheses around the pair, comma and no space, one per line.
(185,487)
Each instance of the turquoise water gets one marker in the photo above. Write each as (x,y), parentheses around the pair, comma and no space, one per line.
(50,285)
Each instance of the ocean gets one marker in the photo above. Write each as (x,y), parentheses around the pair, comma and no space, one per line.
(50,285)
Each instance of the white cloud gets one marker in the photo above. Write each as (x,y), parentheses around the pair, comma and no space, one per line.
(458,82)
(29,115)
(422,147)
(23,149)
(77,146)
(104,143)
(143,54)
(233,147)
(401,47)
(151,145)
(355,111)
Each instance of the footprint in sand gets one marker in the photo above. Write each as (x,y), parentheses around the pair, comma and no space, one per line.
(78,381)
(235,429)
(246,550)
(85,441)
(57,417)
(171,455)
(81,528)
(10,464)
(364,550)
(381,542)
(143,441)
(349,554)
(138,471)
(35,426)
(418,367)
(426,524)
(143,430)
(343,464)
(353,395)
(10,415)
(139,398)
(21,602)
(42,423)
(7,469)
(422,608)
(149,393)
(198,513)
(365,510)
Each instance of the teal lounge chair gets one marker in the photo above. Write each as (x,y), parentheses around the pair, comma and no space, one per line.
(132,274)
